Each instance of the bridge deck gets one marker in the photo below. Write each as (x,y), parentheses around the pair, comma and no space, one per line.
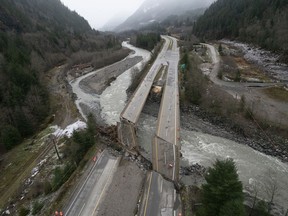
(168,118)
(136,103)
(166,142)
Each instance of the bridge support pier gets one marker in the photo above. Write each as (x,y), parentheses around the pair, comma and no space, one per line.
(127,134)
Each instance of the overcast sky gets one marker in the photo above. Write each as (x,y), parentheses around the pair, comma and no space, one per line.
(98,12)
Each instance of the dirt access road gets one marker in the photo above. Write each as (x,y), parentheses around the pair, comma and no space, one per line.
(62,103)
(260,104)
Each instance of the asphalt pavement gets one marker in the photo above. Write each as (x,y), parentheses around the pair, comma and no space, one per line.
(136,103)
(159,198)
(166,144)
(91,190)
(165,158)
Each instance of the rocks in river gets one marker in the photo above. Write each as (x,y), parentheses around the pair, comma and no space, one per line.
(193,169)
(274,145)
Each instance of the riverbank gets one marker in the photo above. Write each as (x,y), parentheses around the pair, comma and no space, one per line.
(259,140)
(231,110)
(207,148)
(193,118)
(97,82)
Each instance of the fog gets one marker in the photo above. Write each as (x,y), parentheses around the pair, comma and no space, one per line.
(99,12)
(114,12)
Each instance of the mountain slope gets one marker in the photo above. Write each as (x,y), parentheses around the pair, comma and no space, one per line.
(262,22)
(28,15)
(114,22)
(36,35)
(158,10)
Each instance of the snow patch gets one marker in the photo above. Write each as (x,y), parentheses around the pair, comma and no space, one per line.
(68,131)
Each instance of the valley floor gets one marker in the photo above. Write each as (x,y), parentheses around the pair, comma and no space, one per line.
(192,119)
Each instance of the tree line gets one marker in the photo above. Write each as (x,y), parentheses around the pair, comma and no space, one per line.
(147,40)
(262,22)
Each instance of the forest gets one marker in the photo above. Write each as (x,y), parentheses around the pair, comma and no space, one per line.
(35,36)
(261,22)
(147,40)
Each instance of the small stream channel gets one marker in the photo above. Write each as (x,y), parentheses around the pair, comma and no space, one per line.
(254,168)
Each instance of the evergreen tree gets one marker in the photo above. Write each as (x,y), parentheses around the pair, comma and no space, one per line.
(233,207)
(10,136)
(222,194)
(147,41)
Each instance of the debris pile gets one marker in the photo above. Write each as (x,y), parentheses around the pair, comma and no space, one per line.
(193,169)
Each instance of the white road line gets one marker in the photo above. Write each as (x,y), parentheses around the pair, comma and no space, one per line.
(108,181)
(81,209)
(146,204)
(175,202)
(90,173)
(173,175)
(175,118)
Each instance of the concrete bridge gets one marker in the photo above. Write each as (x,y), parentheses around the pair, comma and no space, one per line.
(165,145)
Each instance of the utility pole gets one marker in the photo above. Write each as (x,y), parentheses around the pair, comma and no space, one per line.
(55,146)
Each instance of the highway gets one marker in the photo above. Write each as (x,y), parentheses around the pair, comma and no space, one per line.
(136,103)
(166,142)
(159,197)
(165,146)
(168,117)
(91,190)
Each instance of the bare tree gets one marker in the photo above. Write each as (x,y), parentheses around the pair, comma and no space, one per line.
(255,190)
(271,187)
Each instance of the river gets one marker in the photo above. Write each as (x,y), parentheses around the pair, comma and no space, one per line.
(112,101)
(254,168)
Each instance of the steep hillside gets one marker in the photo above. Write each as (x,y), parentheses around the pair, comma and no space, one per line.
(36,35)
(263,22)
(29,15)
(158,10)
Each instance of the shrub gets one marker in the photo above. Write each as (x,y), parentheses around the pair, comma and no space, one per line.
(47,187)
(237,76)
(36,208)
(220,75)
(23,211)
(57,179)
